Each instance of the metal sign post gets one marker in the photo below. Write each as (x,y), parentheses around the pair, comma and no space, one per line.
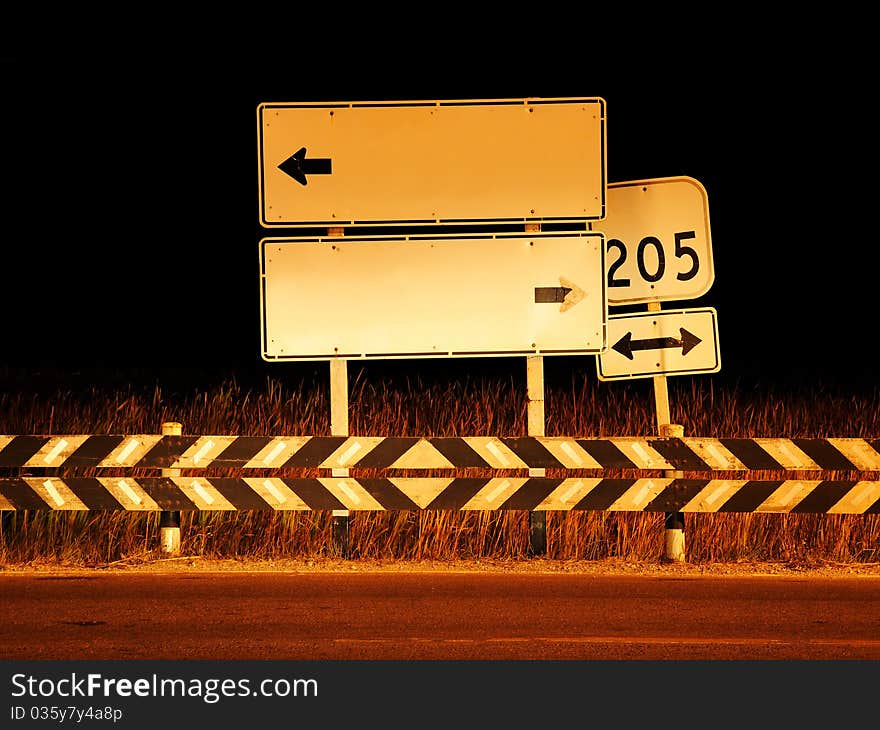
(674,522)
(535,395)
(339,427)
(659,249)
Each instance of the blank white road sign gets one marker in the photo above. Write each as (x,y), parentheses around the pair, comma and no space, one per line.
(427,162)
(659,240)
(433,296)
(661,343)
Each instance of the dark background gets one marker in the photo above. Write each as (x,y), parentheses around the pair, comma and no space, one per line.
(130,213)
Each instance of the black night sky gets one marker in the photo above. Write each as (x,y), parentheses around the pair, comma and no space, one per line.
(130,213)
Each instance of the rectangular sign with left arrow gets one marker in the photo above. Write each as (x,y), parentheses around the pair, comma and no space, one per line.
(646,344)
(427,162)
(413,296)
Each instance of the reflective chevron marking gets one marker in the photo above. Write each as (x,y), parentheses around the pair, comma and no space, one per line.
(857,451)
(273,492)
(129,492)
(54,453)
(638,496)
(53,493)
(440,493)
(467,452)
(493,494)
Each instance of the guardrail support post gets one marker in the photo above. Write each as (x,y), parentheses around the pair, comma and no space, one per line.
(535,398)
(169,521)
(339,427)
(674,525)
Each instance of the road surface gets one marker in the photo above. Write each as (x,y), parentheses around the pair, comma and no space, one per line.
(435,615)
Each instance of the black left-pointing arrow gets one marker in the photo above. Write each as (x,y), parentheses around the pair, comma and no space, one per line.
(626,344)
(297,166)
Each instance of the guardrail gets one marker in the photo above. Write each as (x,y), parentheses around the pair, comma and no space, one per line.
(673,475)
(440,493)
(469,452)
(469,480)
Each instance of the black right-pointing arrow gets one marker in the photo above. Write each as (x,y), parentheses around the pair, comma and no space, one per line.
(297,166)
(567,295)
(551,294)
(626,344)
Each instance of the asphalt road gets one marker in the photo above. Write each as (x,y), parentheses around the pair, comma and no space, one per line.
(435,615)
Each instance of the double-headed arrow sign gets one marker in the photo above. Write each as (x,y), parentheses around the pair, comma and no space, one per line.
(626,345)
(661,343)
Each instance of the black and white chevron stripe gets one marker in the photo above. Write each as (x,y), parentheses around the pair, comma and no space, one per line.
(439,493)
(486,452)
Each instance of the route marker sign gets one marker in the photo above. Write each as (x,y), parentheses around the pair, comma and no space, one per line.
(659,240)
(670,342)
(423,296)
(427,162)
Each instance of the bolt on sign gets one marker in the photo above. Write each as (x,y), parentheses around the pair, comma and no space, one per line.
(659,240)
(427,162)
(423,296)
(661,343)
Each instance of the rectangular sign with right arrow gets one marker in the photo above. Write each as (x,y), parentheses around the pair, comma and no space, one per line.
(412,296)
(646,344)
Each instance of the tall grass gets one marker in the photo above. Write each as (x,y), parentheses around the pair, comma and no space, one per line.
(579,406)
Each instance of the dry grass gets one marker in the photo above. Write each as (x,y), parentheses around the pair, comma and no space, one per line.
(474,406)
